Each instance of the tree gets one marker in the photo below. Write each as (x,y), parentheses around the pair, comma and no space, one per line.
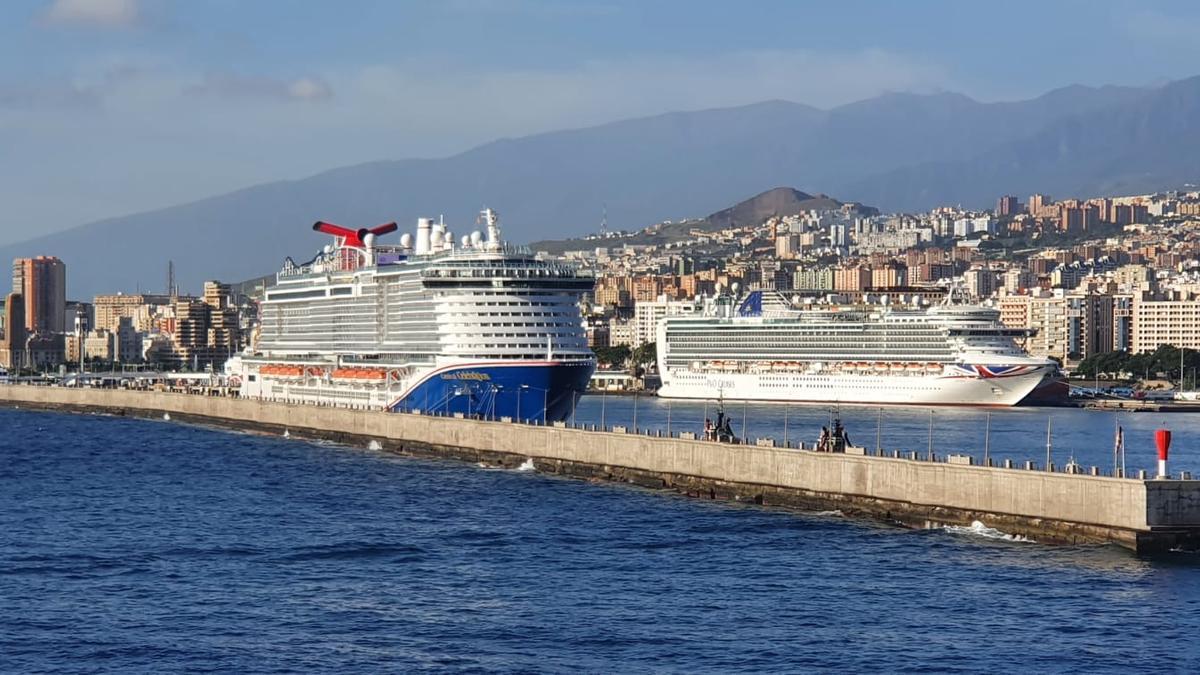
(612,356)
(645,354)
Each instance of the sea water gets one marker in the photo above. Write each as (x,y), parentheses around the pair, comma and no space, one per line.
(149,545)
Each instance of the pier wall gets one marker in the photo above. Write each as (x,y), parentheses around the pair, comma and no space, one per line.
(1139,514)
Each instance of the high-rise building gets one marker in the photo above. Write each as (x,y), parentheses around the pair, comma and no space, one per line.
(42,283)
(1008,205)
(204,331)
(1165,322)
(854,278)
(14,331)
(140,308)
(1038,205)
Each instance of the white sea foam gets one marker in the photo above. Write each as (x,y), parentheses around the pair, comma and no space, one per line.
(287,434)
(167,416)
(978,529)
(374,445)
(527,465)
(834,512)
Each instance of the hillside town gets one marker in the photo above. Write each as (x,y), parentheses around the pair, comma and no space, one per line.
(1092,279)
(1089,277)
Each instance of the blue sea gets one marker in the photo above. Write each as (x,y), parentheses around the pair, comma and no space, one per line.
(149,545)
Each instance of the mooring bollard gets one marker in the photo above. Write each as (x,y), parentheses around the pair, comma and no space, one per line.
(1029,465)
(1095,471)
(1141,474)
(1008,464)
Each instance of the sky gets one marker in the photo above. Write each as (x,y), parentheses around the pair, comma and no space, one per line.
(110,107)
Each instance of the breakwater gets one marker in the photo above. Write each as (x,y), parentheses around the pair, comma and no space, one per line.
(1143,515)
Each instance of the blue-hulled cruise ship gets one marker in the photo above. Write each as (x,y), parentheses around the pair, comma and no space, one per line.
(434,325)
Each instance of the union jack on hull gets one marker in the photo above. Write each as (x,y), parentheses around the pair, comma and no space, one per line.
(988,372)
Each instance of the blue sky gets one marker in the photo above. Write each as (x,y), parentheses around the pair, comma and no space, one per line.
(110,107)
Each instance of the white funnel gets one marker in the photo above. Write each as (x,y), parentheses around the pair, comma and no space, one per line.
(424,230)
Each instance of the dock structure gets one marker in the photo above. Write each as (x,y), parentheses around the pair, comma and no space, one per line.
(1144,515)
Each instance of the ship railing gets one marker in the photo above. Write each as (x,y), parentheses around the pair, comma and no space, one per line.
(485,272)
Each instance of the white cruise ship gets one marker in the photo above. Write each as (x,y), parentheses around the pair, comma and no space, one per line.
(475,327)
(768,351)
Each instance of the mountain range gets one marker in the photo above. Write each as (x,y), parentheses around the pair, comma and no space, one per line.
(896,152)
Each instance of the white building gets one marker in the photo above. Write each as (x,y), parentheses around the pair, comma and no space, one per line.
(646,316)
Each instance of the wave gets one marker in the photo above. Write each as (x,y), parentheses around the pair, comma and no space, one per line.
(353,551)
(527,465)
(374,445)
(978,529)
(834,512)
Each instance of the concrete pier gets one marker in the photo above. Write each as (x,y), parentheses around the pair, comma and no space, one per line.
(1143,515)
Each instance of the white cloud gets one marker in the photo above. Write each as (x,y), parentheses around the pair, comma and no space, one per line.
(102,13)
(309,89)
(229,86)
(49,95)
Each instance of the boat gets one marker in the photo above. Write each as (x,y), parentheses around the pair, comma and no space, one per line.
(429,324)
(949,354)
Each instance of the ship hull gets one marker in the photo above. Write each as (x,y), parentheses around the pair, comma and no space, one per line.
(532,391)
(864,389)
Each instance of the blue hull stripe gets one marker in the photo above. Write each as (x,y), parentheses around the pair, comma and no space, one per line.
(526,390)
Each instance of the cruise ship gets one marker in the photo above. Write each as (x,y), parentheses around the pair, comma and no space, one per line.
(434,325)
(766,350)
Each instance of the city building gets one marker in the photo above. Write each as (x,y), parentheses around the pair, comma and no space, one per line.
(42,283)
(1008,205)
(13,346)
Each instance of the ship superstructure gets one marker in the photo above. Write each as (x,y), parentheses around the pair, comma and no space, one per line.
(767,350)
(474,326)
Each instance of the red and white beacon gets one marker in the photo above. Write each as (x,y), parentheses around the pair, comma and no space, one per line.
(1162,438)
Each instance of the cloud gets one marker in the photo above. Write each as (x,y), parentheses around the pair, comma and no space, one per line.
(98,13)
(229,86)
(49,95)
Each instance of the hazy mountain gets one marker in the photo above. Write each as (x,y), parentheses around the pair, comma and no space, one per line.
(894,151)
(1149,143)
